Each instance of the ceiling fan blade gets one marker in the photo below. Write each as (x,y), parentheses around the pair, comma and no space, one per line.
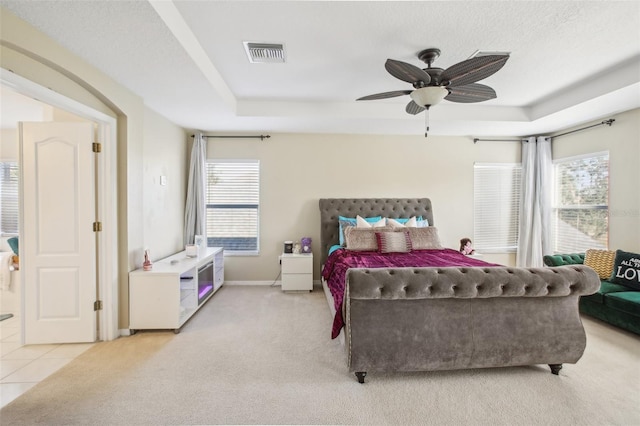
(472,70)
(406,72)
(470,93)
(413,108)
(385,95)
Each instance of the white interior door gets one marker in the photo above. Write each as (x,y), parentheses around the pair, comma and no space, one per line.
(57,241)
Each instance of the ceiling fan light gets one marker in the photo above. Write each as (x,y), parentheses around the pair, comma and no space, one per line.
(430,95)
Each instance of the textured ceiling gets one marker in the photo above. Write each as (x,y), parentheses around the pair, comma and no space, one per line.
(571,61)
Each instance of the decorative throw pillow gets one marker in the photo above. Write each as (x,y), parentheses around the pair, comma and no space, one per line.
(424,238)
(343,222)
(13,243)
(423,223)
(364,223)
(601,261)
(404,220)
(393,242)
(412,222)
(626,269)
(361,239)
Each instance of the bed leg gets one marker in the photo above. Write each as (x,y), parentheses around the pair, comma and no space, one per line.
(360,375)
(555,368)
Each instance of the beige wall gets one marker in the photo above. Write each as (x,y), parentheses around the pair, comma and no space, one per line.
(164,154)
(298,169)
(622,140)
(9,144)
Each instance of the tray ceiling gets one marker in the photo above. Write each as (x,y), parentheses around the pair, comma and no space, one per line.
(571,61)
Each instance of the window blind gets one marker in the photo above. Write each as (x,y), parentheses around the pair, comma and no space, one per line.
(9,198)
(581,203)
(233,205)
(496,201)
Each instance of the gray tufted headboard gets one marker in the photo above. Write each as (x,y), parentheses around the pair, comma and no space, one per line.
(331,208)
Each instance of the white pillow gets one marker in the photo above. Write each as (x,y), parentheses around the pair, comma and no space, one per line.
(361,223)
(411,223)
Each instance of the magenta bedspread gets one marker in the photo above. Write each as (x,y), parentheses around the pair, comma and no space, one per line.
(335,269)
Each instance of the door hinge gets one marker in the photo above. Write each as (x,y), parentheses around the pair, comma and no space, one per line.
(97,226)
(97,305)
(97,147)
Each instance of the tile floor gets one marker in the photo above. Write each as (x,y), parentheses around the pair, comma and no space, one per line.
(23,366)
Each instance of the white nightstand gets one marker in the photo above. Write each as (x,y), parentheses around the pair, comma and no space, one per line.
(297,271)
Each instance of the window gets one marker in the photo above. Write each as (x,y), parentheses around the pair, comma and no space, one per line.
(8,198)
(233,205)
(581,203)
(496,199)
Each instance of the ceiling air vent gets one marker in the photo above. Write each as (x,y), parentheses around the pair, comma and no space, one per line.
(264,52)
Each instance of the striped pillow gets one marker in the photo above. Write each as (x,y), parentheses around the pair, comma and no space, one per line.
(361,239)
(393,242)
(601,261)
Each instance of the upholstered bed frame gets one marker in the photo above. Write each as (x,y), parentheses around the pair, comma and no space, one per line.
(423,319)
(331,208)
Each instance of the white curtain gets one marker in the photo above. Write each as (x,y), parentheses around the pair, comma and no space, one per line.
(195,214)
(534,233)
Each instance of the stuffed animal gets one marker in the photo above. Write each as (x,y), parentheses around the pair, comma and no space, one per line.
(466,246)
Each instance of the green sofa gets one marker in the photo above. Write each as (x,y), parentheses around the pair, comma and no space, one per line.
(613,303)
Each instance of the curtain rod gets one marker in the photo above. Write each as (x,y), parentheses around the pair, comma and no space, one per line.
(261,137)
(476,140)
(608,122)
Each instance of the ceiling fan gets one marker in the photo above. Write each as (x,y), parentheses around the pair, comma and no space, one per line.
(431,85)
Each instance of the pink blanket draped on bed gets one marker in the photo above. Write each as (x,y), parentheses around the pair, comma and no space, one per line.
(335,269)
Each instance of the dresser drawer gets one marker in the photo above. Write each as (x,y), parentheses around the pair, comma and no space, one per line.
(295,282)
(297,265)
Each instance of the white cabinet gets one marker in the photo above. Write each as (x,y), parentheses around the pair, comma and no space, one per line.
(297,271)
(174,289)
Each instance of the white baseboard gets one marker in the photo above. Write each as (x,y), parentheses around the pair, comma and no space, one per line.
(273,283)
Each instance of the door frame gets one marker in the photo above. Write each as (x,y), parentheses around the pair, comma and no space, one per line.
(106,197)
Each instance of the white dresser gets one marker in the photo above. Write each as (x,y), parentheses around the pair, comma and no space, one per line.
(174,289)
(297,271)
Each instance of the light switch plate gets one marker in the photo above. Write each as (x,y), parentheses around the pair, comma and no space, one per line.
(163,180)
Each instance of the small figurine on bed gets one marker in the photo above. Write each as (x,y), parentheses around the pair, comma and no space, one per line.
(466,246)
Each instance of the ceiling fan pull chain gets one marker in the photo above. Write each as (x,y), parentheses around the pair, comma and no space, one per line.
(426,121)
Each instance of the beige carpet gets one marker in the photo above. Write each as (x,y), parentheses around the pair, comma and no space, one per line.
(254,355)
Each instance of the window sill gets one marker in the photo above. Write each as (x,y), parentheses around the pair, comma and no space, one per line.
(241,253)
